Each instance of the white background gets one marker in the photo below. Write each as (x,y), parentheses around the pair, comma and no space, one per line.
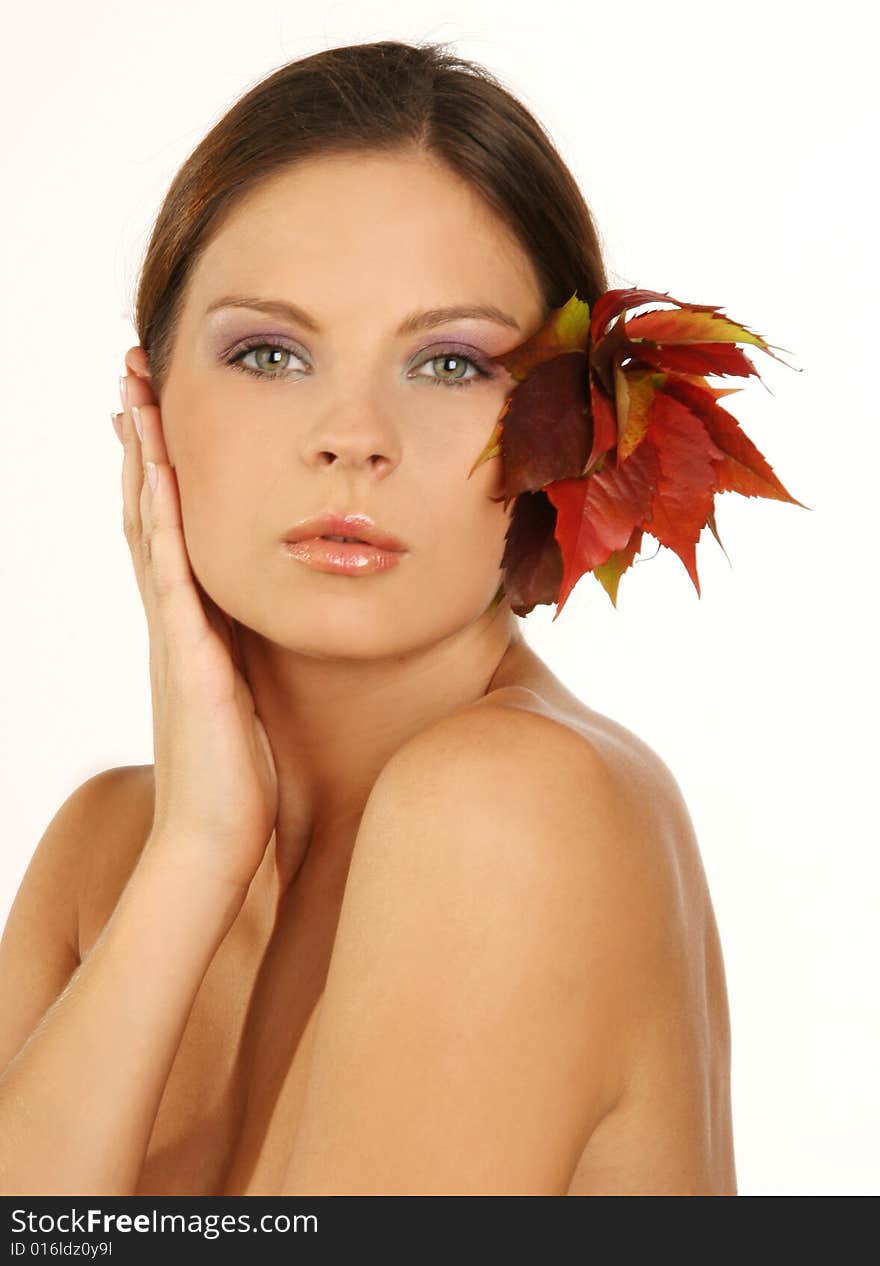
(726,154)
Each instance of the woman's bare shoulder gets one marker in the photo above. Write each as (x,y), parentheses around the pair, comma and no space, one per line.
(122,820)
(535,729)
(615,751)
(628,782)
(531,739)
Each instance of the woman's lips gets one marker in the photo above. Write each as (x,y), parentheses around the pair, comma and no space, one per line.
(346,558)
(357,526)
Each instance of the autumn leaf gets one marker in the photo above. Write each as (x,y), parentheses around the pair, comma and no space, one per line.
(611,432)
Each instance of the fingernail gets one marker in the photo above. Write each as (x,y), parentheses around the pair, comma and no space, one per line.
(136,415)
(122,392)
(116,419)
(150,468)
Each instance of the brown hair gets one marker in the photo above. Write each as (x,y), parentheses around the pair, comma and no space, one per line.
(385,96)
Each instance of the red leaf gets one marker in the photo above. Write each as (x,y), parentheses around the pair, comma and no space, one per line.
(597,516)
(532,562)
(683,498)
(546,430)
(609,573)
(612,432)
(742,468)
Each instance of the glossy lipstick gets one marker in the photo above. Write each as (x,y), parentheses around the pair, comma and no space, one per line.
(373,551)
(348,558)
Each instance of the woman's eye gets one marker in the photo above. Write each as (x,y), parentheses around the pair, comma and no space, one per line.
(454,363)
(266,364)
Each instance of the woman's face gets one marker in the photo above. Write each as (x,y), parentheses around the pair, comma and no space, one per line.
(351,413)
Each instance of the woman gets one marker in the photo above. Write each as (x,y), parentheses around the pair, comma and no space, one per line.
(392,912)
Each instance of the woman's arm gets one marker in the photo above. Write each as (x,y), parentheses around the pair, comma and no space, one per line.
(78,1101)
(40,946)
(484,993)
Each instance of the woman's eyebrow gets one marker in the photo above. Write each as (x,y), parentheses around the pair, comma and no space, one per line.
(410,325)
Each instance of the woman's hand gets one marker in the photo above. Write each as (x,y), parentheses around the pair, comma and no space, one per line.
(215,776)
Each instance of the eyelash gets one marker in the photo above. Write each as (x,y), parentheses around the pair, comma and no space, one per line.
(235,362)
